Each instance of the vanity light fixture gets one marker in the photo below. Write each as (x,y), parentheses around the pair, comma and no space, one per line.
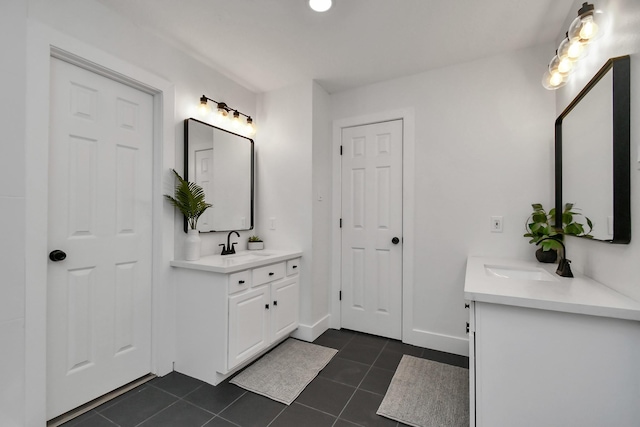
(223,110)
(582,31)
(320,5)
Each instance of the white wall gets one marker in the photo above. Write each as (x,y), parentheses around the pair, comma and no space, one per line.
(614,265)
(13,41)
(283,178)
(483,138)
(321,204)
(293,170)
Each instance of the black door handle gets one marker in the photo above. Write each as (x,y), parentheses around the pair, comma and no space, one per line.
(395,240)
(57,255)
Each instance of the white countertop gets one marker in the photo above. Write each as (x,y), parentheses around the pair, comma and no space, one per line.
(579,294)
(238,261)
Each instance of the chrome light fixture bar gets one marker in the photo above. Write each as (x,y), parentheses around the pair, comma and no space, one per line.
(222,113)
(582,32)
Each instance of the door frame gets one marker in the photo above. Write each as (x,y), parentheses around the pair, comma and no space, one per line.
(407,116)
(43,43)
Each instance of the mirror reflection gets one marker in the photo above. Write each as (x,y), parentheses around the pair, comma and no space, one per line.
(221,162)
(592,153)
(587,173)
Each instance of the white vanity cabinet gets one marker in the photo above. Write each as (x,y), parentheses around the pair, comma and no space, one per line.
(224,321)
(551,353)
(265,313)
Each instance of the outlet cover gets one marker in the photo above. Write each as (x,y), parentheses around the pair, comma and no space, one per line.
(496,224)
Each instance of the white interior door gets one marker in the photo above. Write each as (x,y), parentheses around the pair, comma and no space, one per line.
(372,228)
(100,188)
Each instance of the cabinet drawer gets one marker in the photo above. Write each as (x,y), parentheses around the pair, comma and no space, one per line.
(239,281)
(293,266)
(268,273)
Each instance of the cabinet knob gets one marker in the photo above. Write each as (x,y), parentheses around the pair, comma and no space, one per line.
(241,282)
(266,306)
(271,274)
(295,266)
(275,303)
(467,327)
(466,306)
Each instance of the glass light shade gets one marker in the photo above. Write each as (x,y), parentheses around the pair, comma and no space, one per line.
(572,49)
(320,5)
(553,81)
(222,110)
(204,109)
(585,29)
(250,128)
(563,66)
(235,121)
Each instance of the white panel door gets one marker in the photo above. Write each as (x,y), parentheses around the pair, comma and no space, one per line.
(371,219)
(99,296)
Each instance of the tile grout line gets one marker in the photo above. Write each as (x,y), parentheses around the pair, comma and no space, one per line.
(360,383)
(162,410)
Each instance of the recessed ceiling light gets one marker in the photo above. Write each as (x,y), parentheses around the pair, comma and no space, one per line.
(320,5)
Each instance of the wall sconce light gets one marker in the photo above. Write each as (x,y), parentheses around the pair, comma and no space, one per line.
(582,31)
(222,112)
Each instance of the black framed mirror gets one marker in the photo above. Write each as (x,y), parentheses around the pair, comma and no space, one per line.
(592,153)
(222,163)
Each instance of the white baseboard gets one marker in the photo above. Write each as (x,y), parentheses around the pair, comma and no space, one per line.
(440,342)
(310,332)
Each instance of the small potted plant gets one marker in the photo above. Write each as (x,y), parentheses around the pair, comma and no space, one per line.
(189,200)
(541,230)
(255,243)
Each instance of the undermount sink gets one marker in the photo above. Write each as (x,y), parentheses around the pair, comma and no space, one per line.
(519,273)
(244,257)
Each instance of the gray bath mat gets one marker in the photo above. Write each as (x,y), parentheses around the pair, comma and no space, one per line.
(424,393)
(286,370)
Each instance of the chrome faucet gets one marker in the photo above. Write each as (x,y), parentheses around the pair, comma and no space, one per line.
(230,248)
(564,267)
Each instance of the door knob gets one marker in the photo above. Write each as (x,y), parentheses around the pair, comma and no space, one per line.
(57,255)
(395,240)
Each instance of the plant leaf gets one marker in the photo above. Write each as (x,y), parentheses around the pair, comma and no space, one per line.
(188,199)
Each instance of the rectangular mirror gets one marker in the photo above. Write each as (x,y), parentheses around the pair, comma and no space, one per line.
(593,153)
(221,162)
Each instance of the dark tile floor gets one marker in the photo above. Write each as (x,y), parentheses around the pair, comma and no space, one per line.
(347,393)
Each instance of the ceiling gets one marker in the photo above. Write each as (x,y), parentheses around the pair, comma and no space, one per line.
(268,44)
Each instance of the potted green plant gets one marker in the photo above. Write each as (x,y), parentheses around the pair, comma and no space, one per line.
(542,231)
(188,198)
(255,243)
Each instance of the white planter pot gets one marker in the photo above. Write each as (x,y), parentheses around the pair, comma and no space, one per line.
(192,245)
(253,246)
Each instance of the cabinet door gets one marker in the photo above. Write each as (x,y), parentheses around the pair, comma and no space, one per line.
(248,324)
(285,314)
